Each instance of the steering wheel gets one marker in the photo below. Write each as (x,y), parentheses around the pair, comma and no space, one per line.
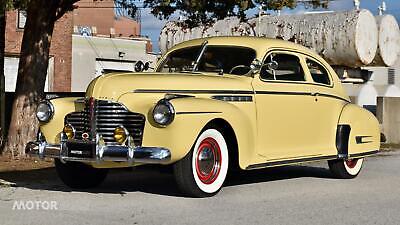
(238,67)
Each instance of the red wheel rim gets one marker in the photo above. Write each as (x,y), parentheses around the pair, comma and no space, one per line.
(351,163)
(208,160)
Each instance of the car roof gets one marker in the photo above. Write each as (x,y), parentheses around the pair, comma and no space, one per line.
(260,44)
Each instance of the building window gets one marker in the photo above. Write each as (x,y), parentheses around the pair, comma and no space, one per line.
(21,20)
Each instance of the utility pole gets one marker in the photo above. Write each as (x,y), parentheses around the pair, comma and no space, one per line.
(357,4)
(382,8)
(260,8)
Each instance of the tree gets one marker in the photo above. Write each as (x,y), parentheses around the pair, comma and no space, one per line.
(205,11)
(32,69)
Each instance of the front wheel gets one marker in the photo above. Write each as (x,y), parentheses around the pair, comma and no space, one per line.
(202,172)
(345,168)
(79,175)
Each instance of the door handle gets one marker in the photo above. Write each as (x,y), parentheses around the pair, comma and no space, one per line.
(314,94)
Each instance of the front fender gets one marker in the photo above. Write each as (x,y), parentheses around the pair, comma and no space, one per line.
(364,134)
(192,115)
(52,129)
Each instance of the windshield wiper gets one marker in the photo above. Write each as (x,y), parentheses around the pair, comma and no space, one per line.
(203,49)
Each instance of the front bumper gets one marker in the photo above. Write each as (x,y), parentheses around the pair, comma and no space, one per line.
(97,151)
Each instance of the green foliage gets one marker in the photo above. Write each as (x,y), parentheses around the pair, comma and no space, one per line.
(204,11)
(13,4)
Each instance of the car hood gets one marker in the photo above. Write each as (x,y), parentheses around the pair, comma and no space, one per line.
(112,86)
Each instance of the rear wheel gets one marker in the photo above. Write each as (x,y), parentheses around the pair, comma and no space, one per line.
(346,168)
(79,175)
(202,172)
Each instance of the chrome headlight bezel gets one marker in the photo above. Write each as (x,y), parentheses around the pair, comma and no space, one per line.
(163,113)
(45,111)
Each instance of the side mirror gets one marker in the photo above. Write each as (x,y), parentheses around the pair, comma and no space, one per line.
(255,66)
(273,65)
(146,66)
(139,66)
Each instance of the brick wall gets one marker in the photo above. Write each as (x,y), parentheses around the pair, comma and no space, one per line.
(61,48)
(100,14)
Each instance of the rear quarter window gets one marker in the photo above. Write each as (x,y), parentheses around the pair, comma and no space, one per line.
(318,73)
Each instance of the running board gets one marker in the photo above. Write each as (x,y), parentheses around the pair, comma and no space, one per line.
(296,161)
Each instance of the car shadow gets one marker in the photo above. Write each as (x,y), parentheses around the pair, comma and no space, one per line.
(154,181)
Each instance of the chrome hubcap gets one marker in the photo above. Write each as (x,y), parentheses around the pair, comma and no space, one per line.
(208,161)
(351,163)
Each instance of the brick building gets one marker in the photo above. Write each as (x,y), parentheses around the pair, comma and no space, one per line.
(99,18)
(92,18)
(60,52)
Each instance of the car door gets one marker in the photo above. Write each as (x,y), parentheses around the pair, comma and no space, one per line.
(326,108)
(283,101)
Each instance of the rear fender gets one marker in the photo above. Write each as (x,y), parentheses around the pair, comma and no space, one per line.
(364,133)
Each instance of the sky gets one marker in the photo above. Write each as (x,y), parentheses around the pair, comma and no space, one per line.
(152,26)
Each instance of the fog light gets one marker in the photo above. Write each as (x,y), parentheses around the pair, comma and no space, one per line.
(69,130)
(120,134)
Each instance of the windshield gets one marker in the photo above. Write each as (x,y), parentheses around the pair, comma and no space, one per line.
(221,59)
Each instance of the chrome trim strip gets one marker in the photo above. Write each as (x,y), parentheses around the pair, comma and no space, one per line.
(359,139)
(233,98)
(300,93)
(193,91)
(362,154)
(289,161)
(295,161)
(182,113)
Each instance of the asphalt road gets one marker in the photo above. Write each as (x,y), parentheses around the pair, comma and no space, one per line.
(304,194)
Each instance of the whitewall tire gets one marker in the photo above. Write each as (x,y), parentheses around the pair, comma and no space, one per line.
(353,166)
(203,171)
(346,168)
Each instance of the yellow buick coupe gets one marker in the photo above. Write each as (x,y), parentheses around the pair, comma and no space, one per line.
(212,105)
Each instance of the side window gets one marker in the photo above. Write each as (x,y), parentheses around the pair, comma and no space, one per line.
(280,66)
(318,72)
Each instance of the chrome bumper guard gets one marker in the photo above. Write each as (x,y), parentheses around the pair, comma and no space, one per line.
(103,153)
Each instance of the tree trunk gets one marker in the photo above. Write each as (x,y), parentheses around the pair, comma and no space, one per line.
(32,70)
(389,41)
(2,79)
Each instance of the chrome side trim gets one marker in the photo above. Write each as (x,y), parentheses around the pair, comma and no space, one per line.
(233,98)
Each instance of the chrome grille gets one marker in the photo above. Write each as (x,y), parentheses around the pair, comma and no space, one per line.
(107,116)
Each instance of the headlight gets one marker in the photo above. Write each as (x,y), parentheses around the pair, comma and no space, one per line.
(69,130)
(45,111)
(120,134)
(163,113)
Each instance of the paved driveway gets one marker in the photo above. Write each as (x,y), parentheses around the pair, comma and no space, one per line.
(304,194)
